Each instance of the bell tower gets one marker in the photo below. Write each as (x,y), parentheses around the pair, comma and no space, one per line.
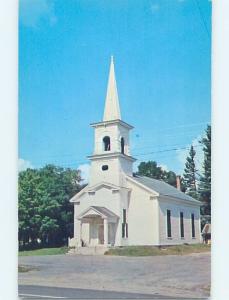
(111,158)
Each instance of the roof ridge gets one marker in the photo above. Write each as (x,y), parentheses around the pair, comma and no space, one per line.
(164,188)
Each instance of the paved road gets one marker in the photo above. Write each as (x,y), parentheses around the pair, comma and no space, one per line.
(175,276)
(43,292)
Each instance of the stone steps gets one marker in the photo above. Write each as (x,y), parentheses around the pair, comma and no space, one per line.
(96,250)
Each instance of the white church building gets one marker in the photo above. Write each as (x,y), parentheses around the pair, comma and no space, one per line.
(119,209)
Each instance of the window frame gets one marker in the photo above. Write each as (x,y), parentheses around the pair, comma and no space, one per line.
(124,224)
(168,224)
(182,236)
(122,145)
(193,227)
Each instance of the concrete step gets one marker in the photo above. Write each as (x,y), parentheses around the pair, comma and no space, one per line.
(96,250)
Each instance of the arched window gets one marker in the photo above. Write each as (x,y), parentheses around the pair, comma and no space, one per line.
(122,145)
(106,143)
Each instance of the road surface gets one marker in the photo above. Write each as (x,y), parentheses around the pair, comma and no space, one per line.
(186,276)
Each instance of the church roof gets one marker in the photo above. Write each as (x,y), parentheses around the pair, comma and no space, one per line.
(112,110)
(163,188)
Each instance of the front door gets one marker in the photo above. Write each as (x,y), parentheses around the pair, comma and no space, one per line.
(101,234)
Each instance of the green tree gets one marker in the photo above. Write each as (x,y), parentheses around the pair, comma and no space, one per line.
(28,206)
(205,180)
(44,209)
(171,178)
(152,170)
(190,174)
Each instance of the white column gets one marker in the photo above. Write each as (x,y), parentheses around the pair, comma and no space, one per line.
(75,227)
(80,233)
(77,232)
(105,224)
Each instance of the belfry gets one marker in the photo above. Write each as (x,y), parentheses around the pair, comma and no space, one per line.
(111,158)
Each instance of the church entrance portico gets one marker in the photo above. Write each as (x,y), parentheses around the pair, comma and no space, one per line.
(97,227)
(96,231)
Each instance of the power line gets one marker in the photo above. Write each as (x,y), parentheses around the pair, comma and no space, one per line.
(132,148)
(167,150)
(76,162)
(161,146)
(142,141)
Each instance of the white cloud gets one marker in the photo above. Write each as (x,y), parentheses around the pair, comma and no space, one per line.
(164,167)
(24,165)
(33,11)
(84,169)
(199,157)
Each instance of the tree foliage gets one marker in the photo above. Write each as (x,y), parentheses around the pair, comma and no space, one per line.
(205,180)
(190,174)
(44,209)
(152,170)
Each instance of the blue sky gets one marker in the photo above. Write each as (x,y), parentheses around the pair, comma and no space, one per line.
(162,52)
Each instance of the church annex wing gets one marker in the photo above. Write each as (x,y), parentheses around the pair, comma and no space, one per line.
(162,188)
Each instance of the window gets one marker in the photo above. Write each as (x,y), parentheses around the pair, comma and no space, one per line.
(106,143)
(181,225)
(122,145)
(105,167)
(193,226)
(124,225)
(124,216)
(169,232)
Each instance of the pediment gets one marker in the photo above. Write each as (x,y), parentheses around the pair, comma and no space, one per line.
(90,213)
(92,189)
(98,211)
(103,185)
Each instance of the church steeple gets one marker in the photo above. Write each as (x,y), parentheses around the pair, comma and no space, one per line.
(112,110)
(111,159)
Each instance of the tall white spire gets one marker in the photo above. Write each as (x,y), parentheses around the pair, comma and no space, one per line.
(112,110)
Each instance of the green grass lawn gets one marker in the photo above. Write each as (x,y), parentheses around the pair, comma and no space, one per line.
(130,250)
(152,251)
(44,251)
